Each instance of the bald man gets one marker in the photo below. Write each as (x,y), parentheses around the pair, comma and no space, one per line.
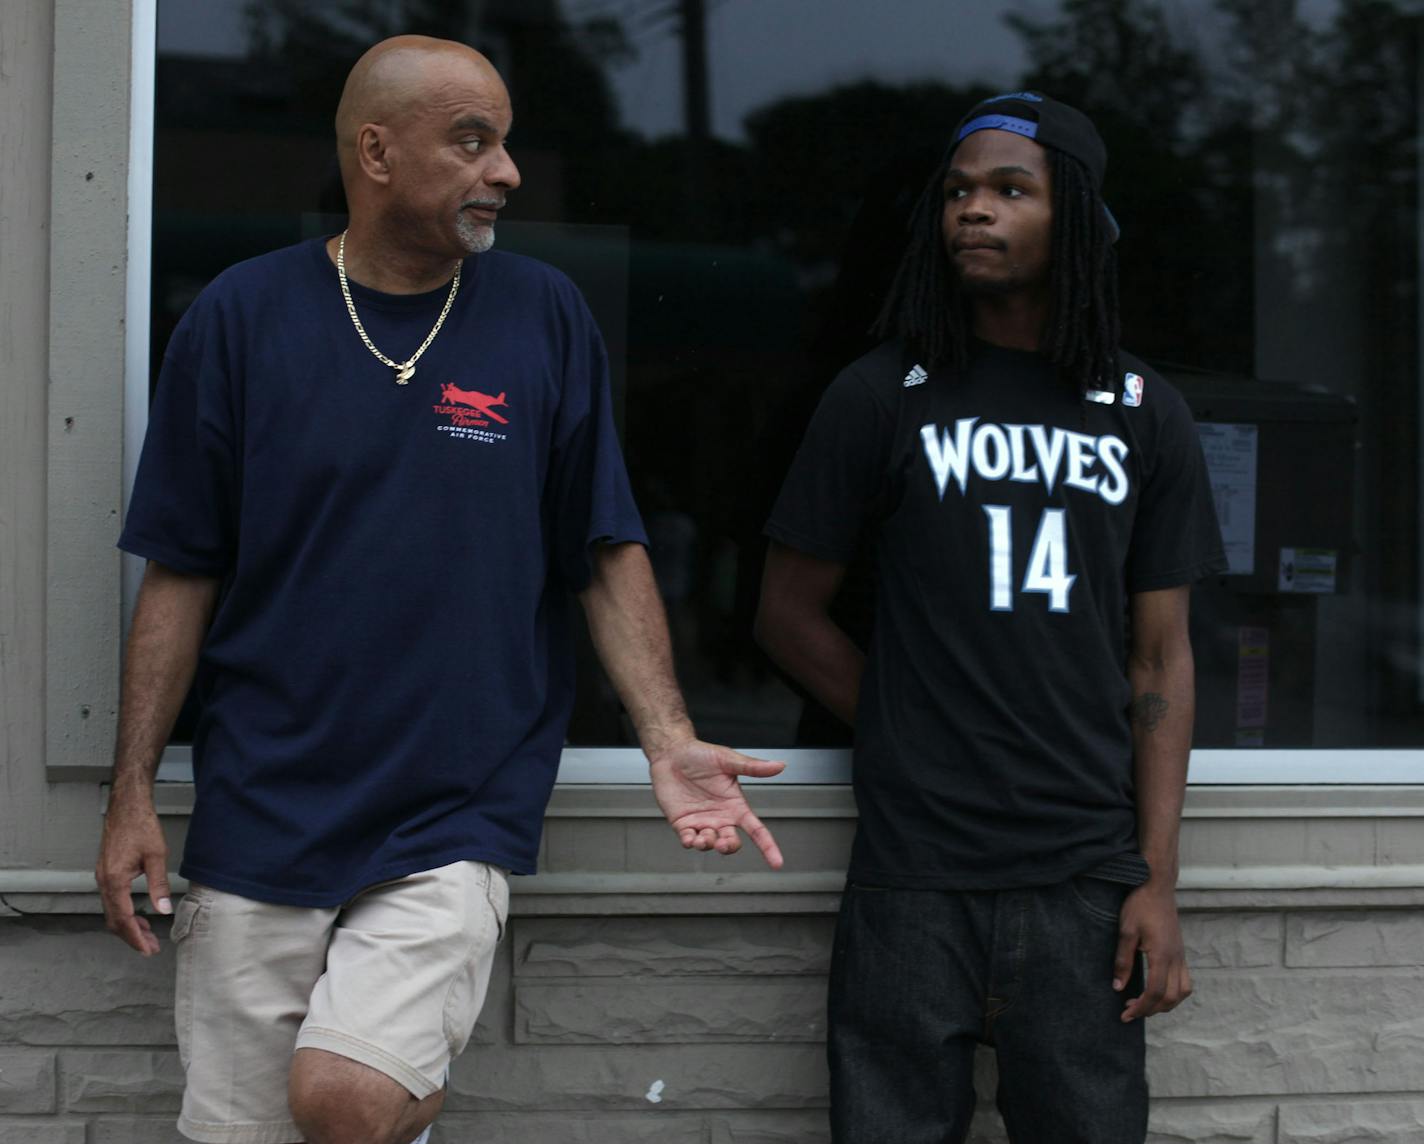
(376,466)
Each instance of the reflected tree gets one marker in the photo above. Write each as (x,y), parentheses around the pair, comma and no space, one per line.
(555,69)
(1334,111)
(1178,166)
(819,155)
(1284,145)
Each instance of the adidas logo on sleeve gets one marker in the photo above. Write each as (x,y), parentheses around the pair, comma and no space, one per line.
(916,376)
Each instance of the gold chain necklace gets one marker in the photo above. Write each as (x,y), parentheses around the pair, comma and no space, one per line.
(405,370)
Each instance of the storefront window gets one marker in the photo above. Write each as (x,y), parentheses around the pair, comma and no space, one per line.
(728,181)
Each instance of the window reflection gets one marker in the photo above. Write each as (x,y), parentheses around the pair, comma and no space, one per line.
(728,181)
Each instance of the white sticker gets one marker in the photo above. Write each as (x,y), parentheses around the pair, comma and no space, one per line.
(1230,452)
(1308,570)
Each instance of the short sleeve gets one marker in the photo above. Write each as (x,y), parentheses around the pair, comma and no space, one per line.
(589,500)
(838,475)
(184,507)
(1175,537)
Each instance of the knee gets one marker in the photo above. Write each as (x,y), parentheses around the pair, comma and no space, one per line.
(345,1114)
(332,1116)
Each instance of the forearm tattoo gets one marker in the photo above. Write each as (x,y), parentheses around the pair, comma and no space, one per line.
(1147,709)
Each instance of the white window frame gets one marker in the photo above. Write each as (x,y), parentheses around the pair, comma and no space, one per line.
(611,765)
(139,275)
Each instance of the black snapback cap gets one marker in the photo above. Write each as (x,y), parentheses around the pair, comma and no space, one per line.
(1048,123)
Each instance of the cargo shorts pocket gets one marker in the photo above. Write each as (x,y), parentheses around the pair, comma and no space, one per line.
(190,921)
(466,995)
(497,894)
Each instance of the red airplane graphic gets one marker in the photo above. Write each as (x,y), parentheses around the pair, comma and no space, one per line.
(454,395)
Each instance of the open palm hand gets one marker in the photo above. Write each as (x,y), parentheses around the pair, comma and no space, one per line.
(696,785)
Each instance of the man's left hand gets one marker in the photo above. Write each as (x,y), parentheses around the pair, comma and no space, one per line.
(696,786)
(1149,923)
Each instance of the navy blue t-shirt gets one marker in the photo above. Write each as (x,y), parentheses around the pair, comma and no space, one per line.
(387,679)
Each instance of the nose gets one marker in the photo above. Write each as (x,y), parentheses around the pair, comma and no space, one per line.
(974,207)
(503,173)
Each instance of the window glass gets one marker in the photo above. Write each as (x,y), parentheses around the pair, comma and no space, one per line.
(728,181)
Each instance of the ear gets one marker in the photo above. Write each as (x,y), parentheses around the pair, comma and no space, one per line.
(371,141)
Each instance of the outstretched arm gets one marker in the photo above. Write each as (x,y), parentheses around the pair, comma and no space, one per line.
(1163,704)
(794,628)
(168,625)
(695,783)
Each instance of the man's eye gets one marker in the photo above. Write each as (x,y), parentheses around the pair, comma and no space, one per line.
(1013,192)
(472,145)
(953,194)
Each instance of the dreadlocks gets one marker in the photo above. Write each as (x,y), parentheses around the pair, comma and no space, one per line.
(926,308)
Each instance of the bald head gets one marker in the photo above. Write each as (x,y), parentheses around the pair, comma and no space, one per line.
(421,133)
(398,77)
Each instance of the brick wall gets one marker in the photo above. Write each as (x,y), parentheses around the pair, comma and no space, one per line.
(1307,1026)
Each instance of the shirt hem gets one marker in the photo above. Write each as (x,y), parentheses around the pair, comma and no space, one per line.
(1190,574)
(329,899)
(159,554)
(579,575)
(617,532)
(793,539)
(1021,880)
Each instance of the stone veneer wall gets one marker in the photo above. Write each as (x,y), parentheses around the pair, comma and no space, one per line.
(1308,1026)
(625,977)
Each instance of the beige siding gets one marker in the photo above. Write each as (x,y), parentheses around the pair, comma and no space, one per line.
(88,244)
(25,60)
(63,156)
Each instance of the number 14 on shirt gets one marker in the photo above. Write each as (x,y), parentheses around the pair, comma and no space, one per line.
(1047,571)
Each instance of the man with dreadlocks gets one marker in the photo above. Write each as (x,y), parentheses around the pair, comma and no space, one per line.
(1039,506)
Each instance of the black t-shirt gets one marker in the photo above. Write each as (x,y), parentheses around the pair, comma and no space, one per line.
(1012,518)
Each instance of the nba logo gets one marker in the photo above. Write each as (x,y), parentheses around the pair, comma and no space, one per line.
(1132,389)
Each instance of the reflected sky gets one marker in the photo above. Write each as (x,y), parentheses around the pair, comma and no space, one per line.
(763,50)
(758,50)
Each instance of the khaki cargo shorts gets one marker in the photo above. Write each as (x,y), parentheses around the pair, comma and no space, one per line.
(394,979)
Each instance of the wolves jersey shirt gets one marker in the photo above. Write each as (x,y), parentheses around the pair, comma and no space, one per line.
(1012,517)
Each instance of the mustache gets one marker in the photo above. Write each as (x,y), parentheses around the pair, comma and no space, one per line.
(484,204)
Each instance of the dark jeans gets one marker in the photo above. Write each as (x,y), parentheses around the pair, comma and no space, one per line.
(919,977)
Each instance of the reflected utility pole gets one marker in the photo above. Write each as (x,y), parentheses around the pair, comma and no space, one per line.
(695,100)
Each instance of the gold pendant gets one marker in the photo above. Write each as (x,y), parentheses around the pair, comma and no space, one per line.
(405,373)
